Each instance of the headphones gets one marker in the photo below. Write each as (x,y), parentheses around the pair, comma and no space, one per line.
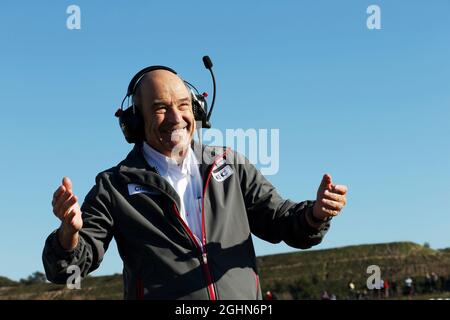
(131,120)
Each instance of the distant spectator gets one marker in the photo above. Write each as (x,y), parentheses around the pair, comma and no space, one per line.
(394,286)
(434,282)
(351,290)
(428,281)
(409,286)
(386,288)
(351,286)
(270,296)
(325,296)
(441,284)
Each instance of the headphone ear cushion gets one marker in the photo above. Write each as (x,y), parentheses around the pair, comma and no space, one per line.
(198,107)
(132,124)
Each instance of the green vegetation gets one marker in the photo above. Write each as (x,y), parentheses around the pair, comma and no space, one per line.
(305,275)
(300,275)
(92,288)
(5,282)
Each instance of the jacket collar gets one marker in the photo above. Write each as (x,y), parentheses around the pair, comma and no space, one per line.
(166,165)
(135,160)
(135,169)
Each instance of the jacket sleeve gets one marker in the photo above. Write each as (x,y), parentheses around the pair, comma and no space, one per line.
(273,218)
(95,237)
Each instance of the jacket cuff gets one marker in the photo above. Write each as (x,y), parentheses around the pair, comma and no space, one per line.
(59,250)
(312,221)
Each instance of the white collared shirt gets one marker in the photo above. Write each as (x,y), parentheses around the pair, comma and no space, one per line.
(186,180)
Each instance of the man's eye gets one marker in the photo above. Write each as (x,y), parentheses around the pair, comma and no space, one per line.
(184,106)
(160,110)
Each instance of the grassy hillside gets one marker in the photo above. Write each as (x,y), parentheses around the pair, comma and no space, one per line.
(306,274)
(92,288)
(300,275)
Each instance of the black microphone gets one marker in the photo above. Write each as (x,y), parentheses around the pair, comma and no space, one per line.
(208,65)
(207,62)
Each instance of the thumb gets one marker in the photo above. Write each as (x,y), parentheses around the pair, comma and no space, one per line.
(326,181)
(67,183)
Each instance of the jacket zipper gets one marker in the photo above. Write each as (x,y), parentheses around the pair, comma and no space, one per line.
(204,258)
(204,253)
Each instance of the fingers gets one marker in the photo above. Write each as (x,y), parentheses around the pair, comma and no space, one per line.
(331,198)
(67,205)
(340,189)
(335,197)
(61,196)
(71,213)
(326,181)
(330,212)
(59,203)
(332,205)
(58,192)
(67,183)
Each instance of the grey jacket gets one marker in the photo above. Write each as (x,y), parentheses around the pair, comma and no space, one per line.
(161,258)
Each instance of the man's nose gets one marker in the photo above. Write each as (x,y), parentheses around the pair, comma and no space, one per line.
(173,115)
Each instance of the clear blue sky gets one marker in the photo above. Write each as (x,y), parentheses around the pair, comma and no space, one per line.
(371,107)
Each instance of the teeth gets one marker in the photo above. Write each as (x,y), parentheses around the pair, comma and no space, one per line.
(178,134)
(177,130)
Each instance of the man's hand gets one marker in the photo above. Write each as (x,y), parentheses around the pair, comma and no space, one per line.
(66,208)
(330,199)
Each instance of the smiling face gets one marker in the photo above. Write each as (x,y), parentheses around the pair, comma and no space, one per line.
(166,106)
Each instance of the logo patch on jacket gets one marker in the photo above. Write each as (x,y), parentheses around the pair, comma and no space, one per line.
(136,188)
(223,173)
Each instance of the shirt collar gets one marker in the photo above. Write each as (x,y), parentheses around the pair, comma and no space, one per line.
(165,165)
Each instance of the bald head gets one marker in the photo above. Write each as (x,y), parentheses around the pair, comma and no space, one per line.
(165,104)
(158,81)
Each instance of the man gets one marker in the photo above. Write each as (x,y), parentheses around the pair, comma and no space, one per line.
(182,227)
